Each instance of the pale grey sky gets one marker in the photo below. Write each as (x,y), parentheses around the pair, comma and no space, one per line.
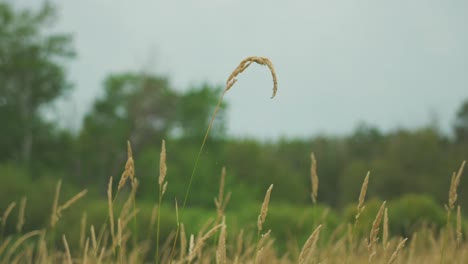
(387,63)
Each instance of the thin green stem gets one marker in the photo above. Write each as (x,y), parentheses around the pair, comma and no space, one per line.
(158,224)
(195,166)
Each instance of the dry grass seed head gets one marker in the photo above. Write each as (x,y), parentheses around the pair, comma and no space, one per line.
(183,242)
(85,251)
(309,246)
(7,213)
(111,210)
(259,255)
(455,181)
(162,164)
(191,245)
(385,230)
(314,177)
(264,239)
(67,250)
(71,201)
(264,209)
(93,239)
(373,237)
(395,253)
(245,64)
(221,249)
(362,196)
(200,243)
(19,242)
(129,172)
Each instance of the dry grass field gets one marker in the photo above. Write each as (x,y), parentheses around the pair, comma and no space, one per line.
(114,241)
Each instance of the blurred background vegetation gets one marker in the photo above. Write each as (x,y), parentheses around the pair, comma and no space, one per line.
(411,169)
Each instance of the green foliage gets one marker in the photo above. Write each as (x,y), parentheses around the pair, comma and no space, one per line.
(407,214)
(411,213)
(461,123)
(32,76)
(292,223)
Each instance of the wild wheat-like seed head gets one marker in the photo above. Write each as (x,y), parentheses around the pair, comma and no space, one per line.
(455,181)
(129,172)
(245,64)
(374,232)
(362,196)
(395,253)
(385,230)
(264,209)
(221,249)
(314,177)
(309,245)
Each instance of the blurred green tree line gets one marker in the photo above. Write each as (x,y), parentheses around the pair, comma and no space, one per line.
(144,109)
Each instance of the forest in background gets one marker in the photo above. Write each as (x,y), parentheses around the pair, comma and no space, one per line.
(35,151)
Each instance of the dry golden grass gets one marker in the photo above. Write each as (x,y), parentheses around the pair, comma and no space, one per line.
(264,210)
(212,243)
(314,178)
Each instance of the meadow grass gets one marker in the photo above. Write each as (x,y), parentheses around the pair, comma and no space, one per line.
(119,238)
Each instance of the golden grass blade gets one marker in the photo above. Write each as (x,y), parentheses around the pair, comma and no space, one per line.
(4,244)
(259,255)
(264,209)
(385,230)
(83,229)
(221,249)
(67,250)
(201,242)
(459,234)
(85,252)
(129,172)
(71,201)
(412,247)
(314,178)
(19,225)
(244,64)
(11,250)
(309,246)
(397,250)
(183,242)
(455,181)
(6,214)
(362,196)
(162,164)
(93,240)
(373,237)
(111,210)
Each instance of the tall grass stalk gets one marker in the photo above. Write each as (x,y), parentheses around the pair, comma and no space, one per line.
(162,189)
(243,65)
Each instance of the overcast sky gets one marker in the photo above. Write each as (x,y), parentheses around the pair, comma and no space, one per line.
(387,63)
